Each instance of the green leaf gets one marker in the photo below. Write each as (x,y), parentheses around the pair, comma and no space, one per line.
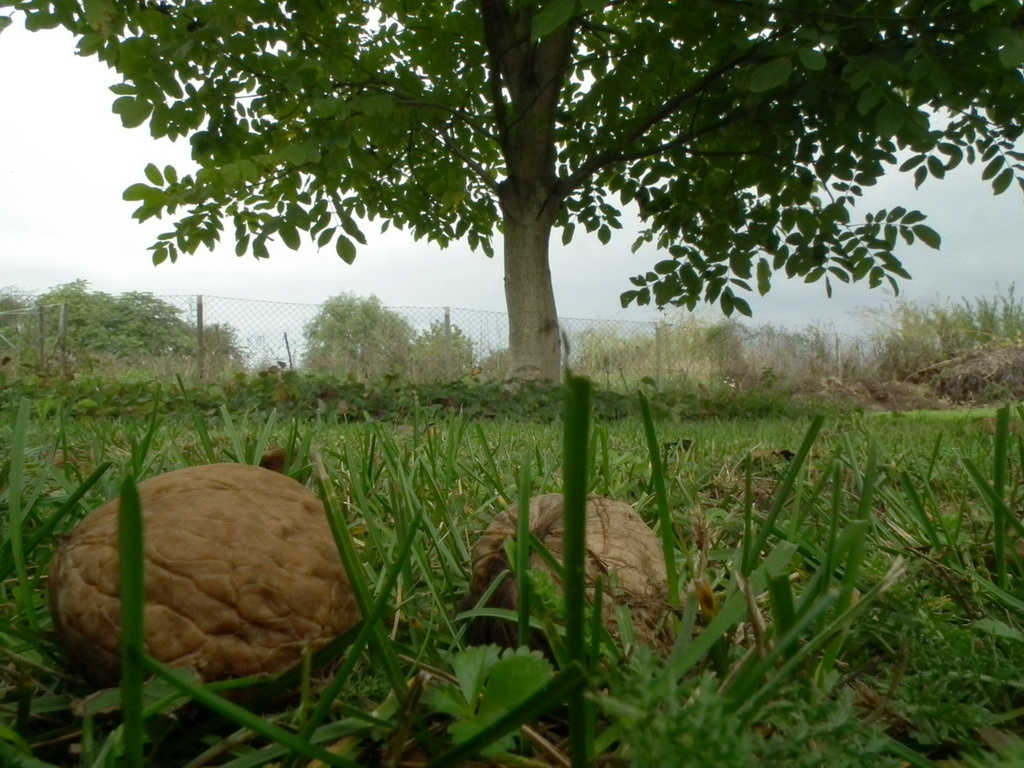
(811,59)
(133,112)
(889,120)
(101,15)
(471,667)
(40,20)
(325,237)
(1000,629)
(352,229)
(555,14)
(138,191)
(346,249)
(448,699)
(764,277)
(993,167)
(567,232)
(513,680)
(5,22)
(742,306)
(913,162)
(927,235)
(154,176)
(977,5)
(771,75)
(1002,182)
(290,236)
(869,99)
(1011,55)
(936,167)
(499,686)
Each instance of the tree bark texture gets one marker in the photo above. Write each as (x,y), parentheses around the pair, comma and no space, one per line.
(527,76)
(534,340)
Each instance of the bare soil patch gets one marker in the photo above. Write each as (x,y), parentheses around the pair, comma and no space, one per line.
(893,396)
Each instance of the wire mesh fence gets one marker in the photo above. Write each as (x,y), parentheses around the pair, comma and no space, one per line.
(358,338)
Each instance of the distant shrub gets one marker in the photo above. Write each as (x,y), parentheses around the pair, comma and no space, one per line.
(910,337)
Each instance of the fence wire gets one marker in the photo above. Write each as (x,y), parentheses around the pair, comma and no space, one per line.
(228,335)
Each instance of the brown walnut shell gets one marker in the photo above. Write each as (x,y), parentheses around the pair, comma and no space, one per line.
(621,549)
(242,574)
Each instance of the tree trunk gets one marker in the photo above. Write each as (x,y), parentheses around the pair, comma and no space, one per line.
(534,340)
(526,78)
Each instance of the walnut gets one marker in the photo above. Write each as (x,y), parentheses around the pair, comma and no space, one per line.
(621,549)
(242,574)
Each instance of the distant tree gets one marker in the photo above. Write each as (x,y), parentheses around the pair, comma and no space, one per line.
(124,326)
(221,347)
(14,299)
(442,353)
(744,130)
(19,324)
(358,336)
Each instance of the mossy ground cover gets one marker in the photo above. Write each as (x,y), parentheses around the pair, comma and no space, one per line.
(851,589)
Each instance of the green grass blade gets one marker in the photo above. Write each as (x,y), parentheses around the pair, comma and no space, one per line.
(780,592)
(916,505)
(751,700)
(1006,599)
(754,679)
(911,757)
(244,717)
(576,439)
(523,552)
(788,480)
(371,620)
(19,440)
(133,631)
(263,439)
(733,611)
(11,757)
(198,423)
(999,511)
(234,436)
(665,526)
(140,450)
(996,504)
(357,578)
(45,530)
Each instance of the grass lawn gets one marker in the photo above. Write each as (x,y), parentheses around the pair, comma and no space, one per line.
(851,593)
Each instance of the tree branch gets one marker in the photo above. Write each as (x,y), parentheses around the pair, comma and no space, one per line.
(665,111)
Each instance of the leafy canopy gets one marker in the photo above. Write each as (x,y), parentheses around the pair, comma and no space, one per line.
(359,336)
(126,325)
(744,130)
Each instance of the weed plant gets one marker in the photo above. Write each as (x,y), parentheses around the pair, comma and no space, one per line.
(850,593)
(911,336)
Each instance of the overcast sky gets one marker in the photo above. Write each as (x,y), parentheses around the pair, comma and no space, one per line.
(65,160)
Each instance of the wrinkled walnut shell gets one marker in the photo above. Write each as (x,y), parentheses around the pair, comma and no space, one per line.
(620,548)
(242,574)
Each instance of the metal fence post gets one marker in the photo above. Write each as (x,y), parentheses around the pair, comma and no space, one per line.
(41,345)
(200,339)
(62,339)
(447,343)
(62,329)
(839,359)
(658,340)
